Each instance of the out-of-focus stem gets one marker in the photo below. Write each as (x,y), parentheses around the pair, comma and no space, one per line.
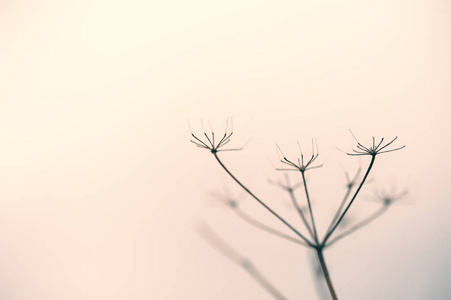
(263,227)
(245,263)
(352,200)
(340,208)
(300,212)
(265,283)
(359,225)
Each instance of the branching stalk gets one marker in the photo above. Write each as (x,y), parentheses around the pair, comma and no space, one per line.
(261,202)
(212,145)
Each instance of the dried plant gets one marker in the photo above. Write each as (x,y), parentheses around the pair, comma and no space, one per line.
(312,238)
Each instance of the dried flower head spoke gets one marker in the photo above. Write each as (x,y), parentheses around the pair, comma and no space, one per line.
(286,186)
(350,182)
(301,165)
(388,198)
(374,149)
(209,141)
(226,199)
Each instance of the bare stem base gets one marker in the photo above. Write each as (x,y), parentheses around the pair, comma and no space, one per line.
(319,252)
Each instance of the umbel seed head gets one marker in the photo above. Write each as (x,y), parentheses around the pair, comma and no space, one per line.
(209,141)
(301,165)
(374,149)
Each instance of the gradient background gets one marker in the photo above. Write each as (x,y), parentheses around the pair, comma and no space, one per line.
(101,190)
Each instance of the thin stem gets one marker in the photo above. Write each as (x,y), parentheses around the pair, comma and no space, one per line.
(214,240)
(373,157)
(340,208)
(300,212)
(261,202)
(359,225)
(322,262)
(263,227)
(315,234)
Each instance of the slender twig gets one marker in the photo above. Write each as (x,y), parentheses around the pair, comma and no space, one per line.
(261,202)
(329,233)
(290,189)
(349,185)
(220,245)
(359,225)
(340,208)
(300,212)
(315,234)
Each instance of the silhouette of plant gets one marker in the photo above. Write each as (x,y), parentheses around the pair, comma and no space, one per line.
(313,239)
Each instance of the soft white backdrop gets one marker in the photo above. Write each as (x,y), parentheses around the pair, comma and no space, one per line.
(101,190)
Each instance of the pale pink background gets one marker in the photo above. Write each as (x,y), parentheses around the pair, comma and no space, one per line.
(101,190)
